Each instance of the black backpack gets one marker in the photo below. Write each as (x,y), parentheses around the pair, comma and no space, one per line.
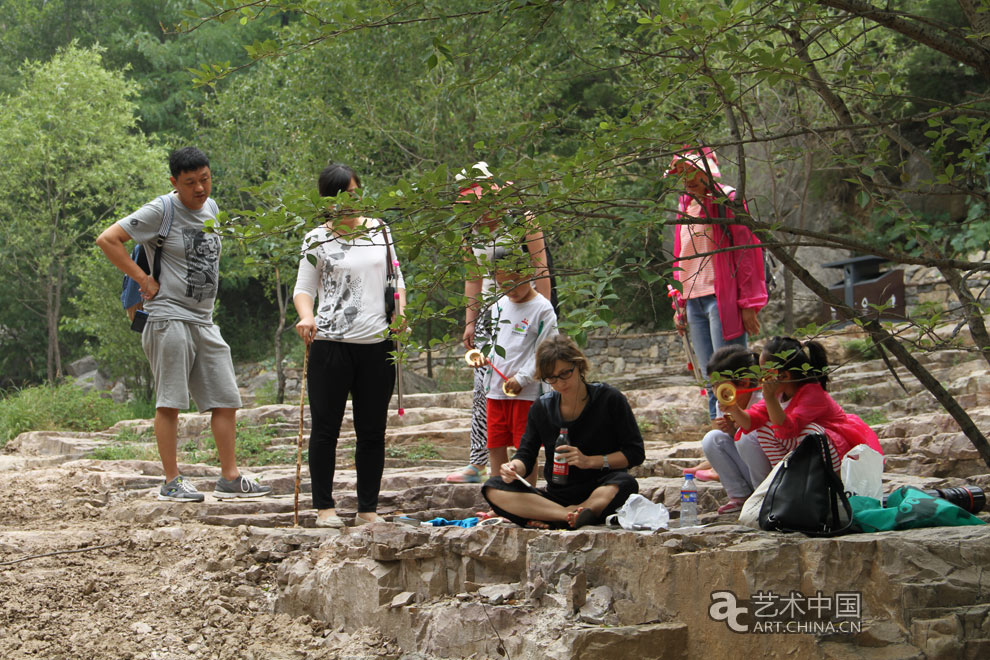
(130,294)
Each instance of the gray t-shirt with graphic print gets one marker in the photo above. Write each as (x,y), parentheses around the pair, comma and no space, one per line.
(190,260)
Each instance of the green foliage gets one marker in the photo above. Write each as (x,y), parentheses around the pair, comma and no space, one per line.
(856,395)
(103,325)
(131,32)
(252,448)
(126,451)
(73,159)
(423,450)
(414,96)
(875,417)
(57,408)
(862,349)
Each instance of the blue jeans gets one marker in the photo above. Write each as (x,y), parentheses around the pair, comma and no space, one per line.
(706,337)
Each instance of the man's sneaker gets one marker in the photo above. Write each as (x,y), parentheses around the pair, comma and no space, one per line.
(239,487)
(179,490)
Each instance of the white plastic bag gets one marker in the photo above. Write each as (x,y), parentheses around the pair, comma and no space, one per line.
(639,513)
(862,472)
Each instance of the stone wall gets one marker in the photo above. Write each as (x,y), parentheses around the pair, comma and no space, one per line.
(450,592)
(609,354)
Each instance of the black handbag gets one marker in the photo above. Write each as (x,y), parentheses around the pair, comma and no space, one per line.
(806,494)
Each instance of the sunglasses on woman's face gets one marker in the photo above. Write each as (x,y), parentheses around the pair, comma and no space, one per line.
(563,375)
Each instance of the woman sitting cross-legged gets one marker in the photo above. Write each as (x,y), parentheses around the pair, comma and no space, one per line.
(603,441)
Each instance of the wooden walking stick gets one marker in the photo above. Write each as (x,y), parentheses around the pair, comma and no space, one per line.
(302,405)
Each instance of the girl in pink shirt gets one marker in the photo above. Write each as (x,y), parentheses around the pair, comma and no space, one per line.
(795,404)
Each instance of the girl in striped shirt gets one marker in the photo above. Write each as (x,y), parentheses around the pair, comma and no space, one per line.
(796,404)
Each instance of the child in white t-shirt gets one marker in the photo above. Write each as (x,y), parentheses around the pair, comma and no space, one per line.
(523,320)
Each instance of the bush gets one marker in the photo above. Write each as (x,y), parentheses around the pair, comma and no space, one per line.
(62,407)
(862,349)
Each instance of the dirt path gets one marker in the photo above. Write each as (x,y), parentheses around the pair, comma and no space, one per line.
(165,590)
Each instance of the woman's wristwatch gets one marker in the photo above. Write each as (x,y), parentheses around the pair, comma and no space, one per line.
(604,462)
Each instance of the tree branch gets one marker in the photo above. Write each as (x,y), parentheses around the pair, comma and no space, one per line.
(952,45)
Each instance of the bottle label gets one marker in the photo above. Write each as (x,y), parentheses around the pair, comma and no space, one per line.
(689,496)
(560,467)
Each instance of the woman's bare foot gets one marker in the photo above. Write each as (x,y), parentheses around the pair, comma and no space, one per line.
(703,465)
(537,524)
(581,517)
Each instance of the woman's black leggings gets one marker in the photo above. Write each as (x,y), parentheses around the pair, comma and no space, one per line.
(367,373)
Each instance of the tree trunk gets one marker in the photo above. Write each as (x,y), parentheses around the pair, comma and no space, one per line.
(52,311)
(971,309)
(281,299)
(888,341)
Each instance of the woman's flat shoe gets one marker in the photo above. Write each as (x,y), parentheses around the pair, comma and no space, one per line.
(330,521)
(358,520)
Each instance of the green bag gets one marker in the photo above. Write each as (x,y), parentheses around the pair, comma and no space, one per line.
(908,508)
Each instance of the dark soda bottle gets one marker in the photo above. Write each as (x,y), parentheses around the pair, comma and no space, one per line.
(560,467)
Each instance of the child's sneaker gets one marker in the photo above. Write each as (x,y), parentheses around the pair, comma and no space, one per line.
(179,490)
(239,487)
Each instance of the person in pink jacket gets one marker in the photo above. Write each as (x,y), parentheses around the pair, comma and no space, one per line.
(723,290)
(795,404)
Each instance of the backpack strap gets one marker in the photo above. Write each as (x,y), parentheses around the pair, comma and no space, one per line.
(168,214)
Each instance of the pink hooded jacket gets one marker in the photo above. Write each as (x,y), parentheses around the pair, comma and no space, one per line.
(740,281)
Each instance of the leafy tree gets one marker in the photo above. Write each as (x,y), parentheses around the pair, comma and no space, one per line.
(132,34)
(74,161)
(106,330)
(766,83)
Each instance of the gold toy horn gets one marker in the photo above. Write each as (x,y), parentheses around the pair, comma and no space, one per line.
(474,358)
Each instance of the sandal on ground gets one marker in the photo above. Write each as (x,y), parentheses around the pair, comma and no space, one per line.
(734,504)
(706,475)
(469,475)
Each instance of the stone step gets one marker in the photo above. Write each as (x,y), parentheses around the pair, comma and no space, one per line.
(660,641)
(427,589)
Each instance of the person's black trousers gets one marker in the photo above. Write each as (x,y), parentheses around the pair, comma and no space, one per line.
(367,373)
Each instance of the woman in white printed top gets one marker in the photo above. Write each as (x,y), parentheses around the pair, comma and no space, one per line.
(349,352)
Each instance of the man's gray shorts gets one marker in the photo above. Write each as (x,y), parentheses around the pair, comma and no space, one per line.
(190,359)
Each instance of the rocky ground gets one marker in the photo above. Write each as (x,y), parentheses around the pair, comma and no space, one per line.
(92,566)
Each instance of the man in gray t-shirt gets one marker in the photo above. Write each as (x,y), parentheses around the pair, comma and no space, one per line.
(188,355)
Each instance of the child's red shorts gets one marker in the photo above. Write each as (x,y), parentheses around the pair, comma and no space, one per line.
(506,421)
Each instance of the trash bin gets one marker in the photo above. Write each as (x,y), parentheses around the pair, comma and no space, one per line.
(864,285)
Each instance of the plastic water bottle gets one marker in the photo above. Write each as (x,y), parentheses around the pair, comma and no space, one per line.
(560,466)
(689,502)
